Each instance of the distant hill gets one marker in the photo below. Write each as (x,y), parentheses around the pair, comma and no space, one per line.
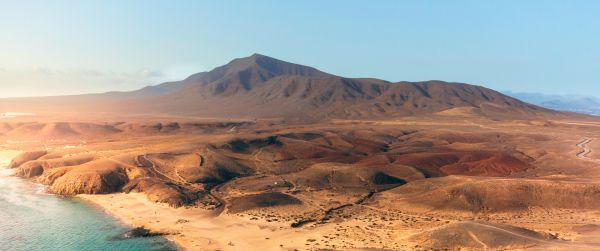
(261,86)
(572,103)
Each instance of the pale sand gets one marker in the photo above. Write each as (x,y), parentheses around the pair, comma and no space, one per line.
(204,231)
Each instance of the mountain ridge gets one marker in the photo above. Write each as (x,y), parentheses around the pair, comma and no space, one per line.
(572,103)
(262,86)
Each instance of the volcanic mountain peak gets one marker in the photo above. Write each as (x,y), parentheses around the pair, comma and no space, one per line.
(245,74)
(273,66)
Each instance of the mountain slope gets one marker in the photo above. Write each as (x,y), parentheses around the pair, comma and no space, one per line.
(261,86)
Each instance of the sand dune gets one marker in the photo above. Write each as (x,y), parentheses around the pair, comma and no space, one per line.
(483,236)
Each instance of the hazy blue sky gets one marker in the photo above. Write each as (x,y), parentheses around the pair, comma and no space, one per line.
(64,47)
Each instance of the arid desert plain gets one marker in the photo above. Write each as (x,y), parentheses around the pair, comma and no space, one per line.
(262,154)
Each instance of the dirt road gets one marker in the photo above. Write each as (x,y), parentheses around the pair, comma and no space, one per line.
(585,150)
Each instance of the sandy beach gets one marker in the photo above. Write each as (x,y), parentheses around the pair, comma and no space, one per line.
(198,229)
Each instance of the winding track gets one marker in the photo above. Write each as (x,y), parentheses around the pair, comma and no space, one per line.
(585,150)
(213,191)
(144,161)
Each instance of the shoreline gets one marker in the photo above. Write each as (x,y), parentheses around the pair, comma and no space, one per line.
(88,200)
(40,189)
(199,229)
(134,210)
(6,155)
(195,228)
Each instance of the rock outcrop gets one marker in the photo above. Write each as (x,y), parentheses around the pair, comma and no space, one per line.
(37,167)
(160,192)
(26,157)
(96,177)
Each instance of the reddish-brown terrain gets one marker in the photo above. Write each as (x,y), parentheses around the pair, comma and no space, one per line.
(264,154)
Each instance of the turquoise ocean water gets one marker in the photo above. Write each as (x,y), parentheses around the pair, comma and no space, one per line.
(32,220)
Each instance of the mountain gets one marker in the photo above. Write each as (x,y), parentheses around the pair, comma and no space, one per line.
(261,86)
(572,103)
